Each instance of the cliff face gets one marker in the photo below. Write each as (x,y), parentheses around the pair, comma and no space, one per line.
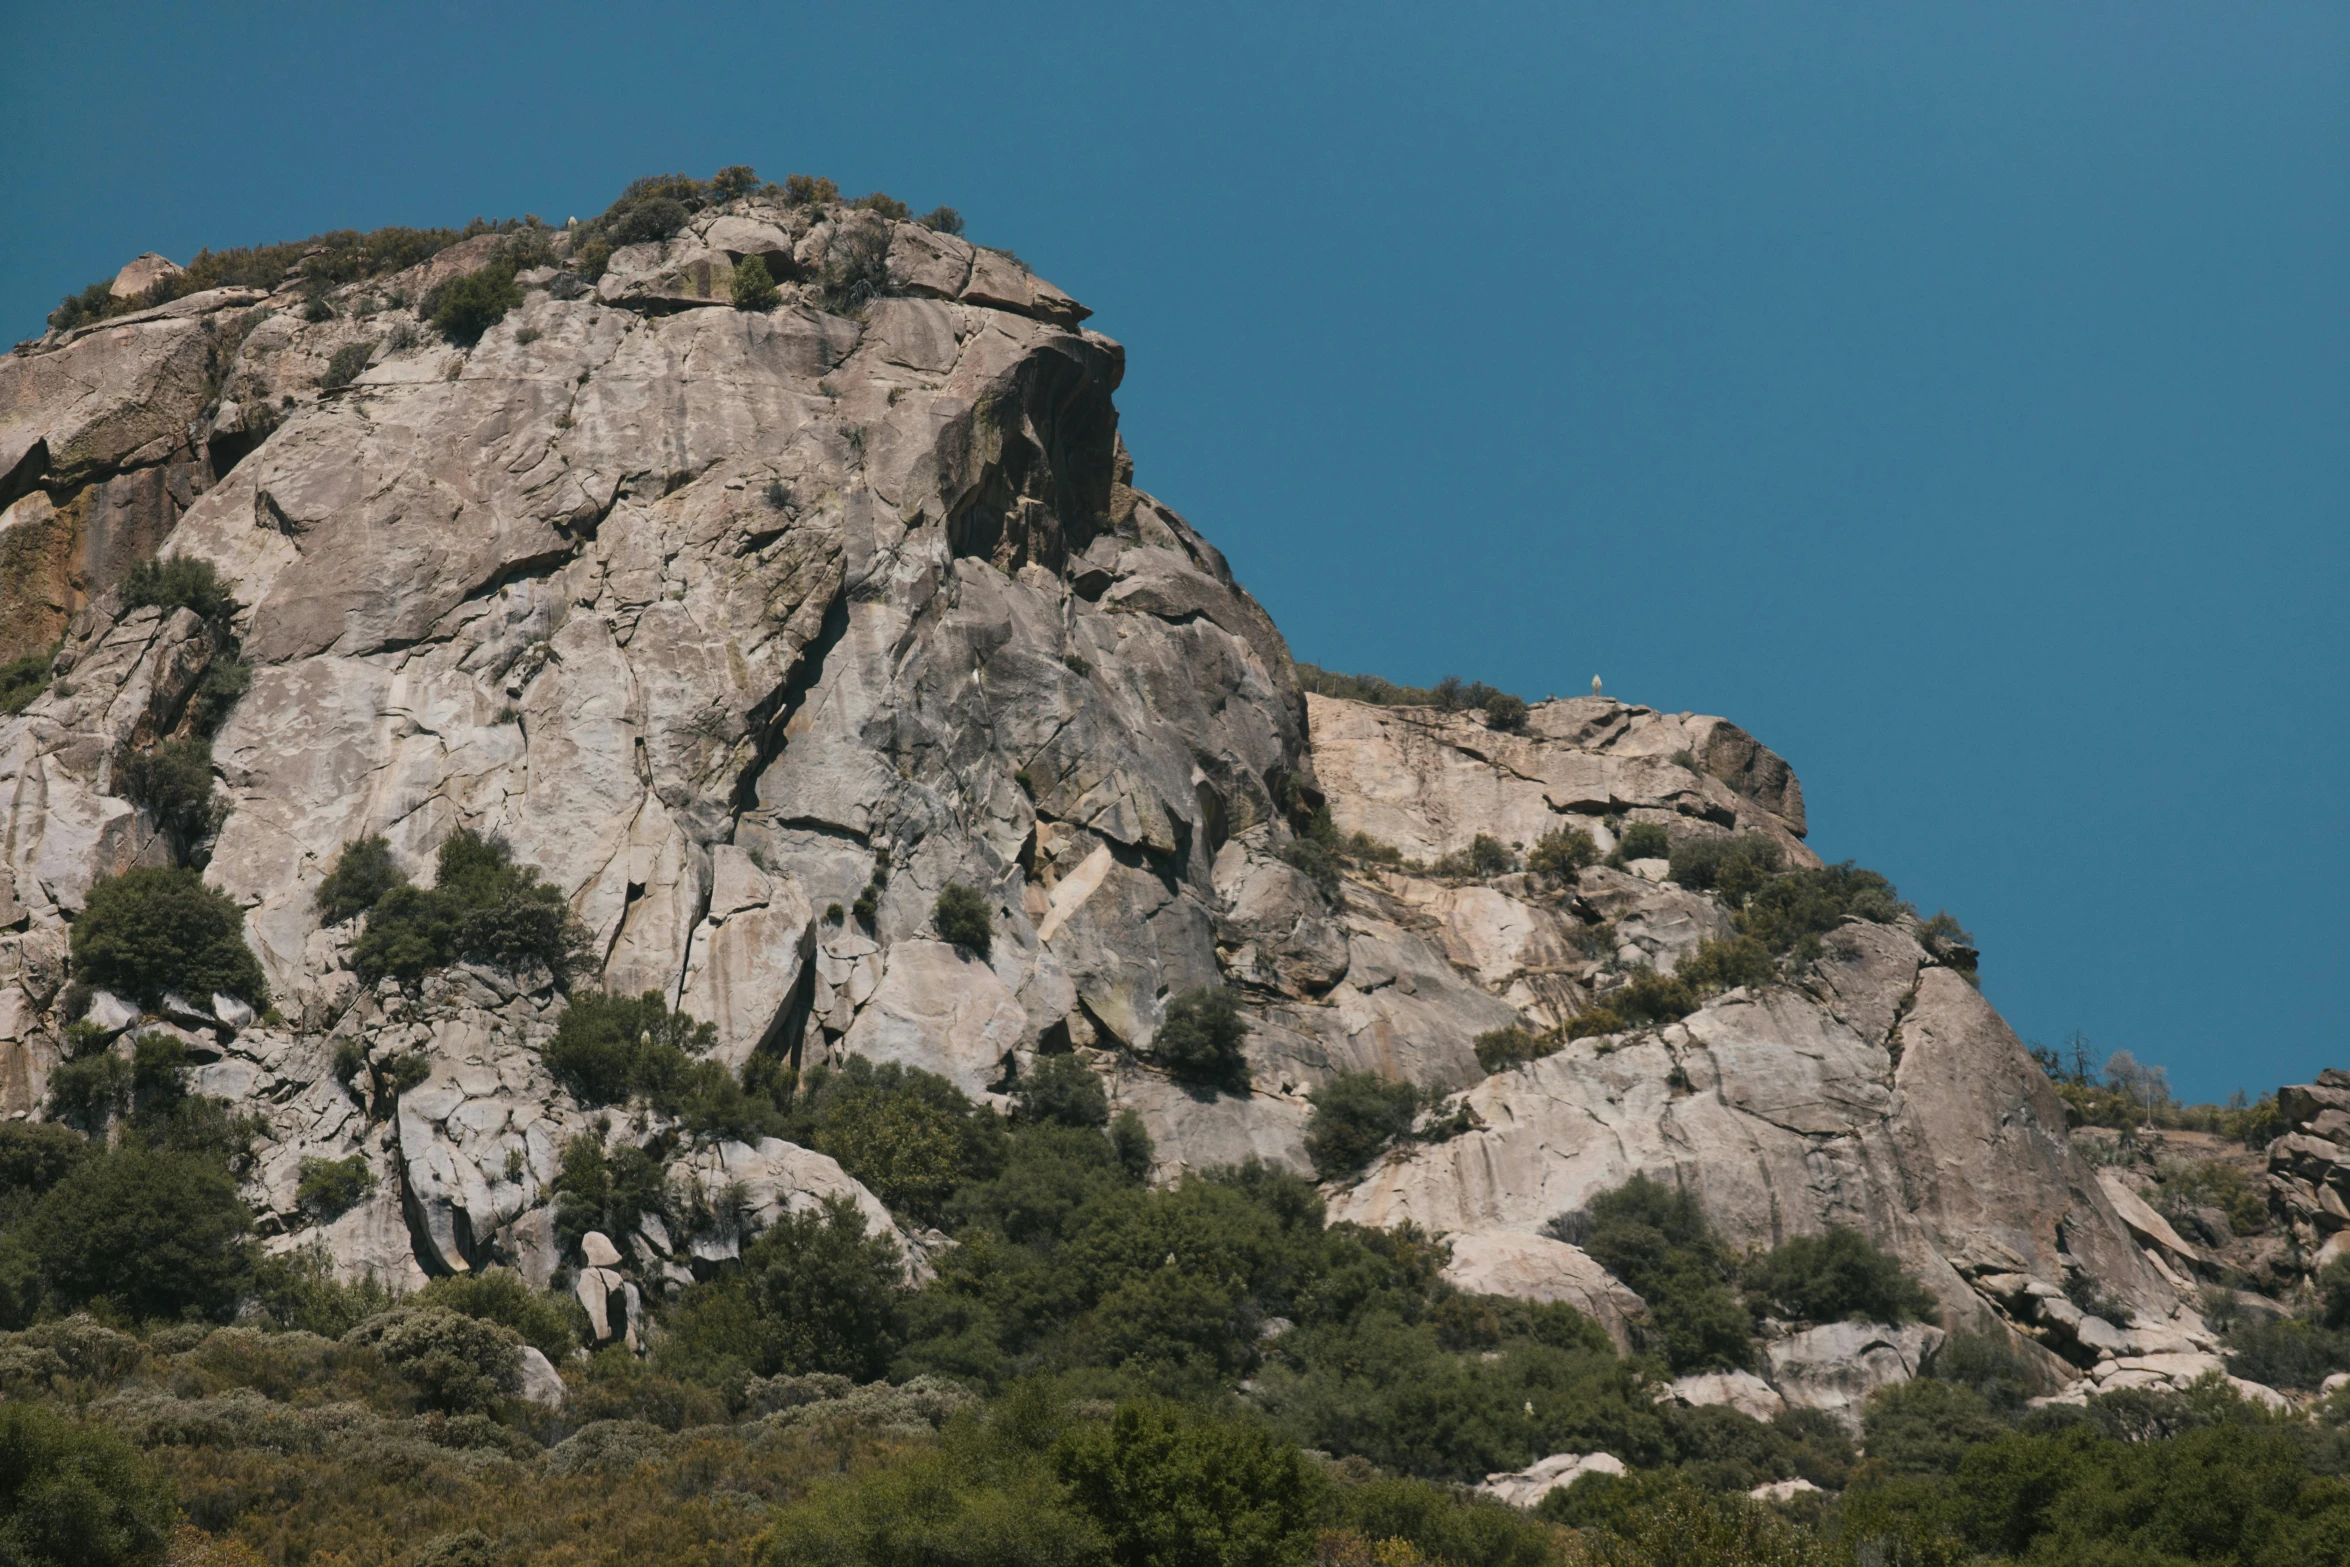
(707,612)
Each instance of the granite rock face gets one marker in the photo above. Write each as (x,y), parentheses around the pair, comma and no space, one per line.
(721,619)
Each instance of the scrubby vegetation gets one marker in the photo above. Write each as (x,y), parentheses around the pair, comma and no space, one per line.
(962,917)
(1451,695)
(1100,1373)
(154,931)
(464,308)
(482,908)
(753,287)
(1199,1040)
(1834,1275)
(1356,1115)
(23,679)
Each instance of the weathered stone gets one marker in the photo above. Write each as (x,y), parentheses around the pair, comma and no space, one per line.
(596,1248)
(541,1383)
(1837,1366)
(1743,1391)
(1526,1487)
(1535,1267)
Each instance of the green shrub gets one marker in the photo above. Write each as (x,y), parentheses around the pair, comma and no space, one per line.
(754,287)
(1644,841)
(87,1094)
(1648,997)
(804,190)
(942,220)
(815,1293)
(1789,913)
(1485,856)
(1165,1486)
(464,308)
(172,780)
(1725,965)
(1061,1091)
(885,204)
(178,582)
(2214,1183)
(225,681)
(1733,864)
(1562,852)
(608,1049)
(1199,1040)
(607,1190)
(1500,1049)
(357,881)
(482,909)
(348,363)
(1925,1426)
(77,1495)
(456,1363)
(549,1323)
(151,1233)
(329,1188)
(34,1156)
(1355,1116)
(1834,1276)
(1656,1239)
(1130,1144)
(1505,712)
(909,1135)
(151,931)
(1592,1022)
(2285,1352)
(298,1290)
(22,680)
(963,918)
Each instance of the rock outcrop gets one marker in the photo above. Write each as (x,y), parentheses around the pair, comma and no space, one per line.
(720,618)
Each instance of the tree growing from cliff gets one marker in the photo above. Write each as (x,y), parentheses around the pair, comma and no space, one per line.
(1832,1277)
(155,930)
(962,917)
(1356,1114)
(482,908)
(1199,1040)
(465,308)
(754,287)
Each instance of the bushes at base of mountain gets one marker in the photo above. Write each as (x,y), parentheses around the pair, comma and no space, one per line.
(552,1324)
(814,1293)
(157,930)
(76,1494)
(457,1364)
(1655,1238)
(148,1231)
(1062,1091)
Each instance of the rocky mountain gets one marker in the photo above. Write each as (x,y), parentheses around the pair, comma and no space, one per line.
(725,620)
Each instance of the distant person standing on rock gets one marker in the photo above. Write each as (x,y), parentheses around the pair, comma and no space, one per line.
(1595,685)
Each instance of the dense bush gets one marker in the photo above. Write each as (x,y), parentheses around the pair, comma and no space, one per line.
(1789,913)
(1502,1048)
(606,1189)
(170,582)
(464,308)
(482,908)
(456,1363)
(942,220)
(546,1322)
(1504,711)
(1561,852)
(1355,1116)
(609,1049)
(1199,1040)
(172,780)
(152,930)
(329,1188)
(22,680)
(357,881)
(1166,1487)
(753,287)
(815,1293)
(909,1135)
(1656,1239)
(1063,1091)
(77,1495)
(962,917)
(1734,865)
(34,1156)
(1643,841)
(147,1231)
(1725,965)
(1833,1276)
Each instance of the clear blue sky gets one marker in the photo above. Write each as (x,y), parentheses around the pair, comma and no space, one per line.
(1957,396)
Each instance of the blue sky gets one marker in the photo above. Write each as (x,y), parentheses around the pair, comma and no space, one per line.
(1958,397)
